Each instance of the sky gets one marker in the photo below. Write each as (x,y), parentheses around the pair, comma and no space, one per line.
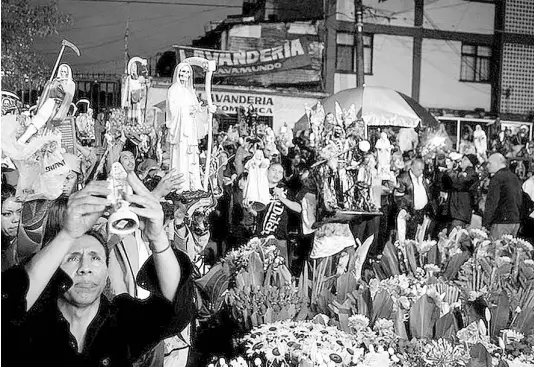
(98,29)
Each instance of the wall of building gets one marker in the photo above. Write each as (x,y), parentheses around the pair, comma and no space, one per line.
(392,65)
(440,75)
(282,106)
(517,75)
(453,21)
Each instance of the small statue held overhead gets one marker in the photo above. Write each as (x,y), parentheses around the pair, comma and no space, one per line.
(53,104)
(135,90)
(481,141)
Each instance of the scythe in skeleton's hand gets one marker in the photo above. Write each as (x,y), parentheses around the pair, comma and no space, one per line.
(63,44)
(209,66)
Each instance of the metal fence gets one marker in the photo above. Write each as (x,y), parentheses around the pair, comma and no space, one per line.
(103,90)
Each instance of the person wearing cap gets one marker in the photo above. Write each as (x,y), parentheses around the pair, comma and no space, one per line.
(146,169)
(502,213)
(463,183)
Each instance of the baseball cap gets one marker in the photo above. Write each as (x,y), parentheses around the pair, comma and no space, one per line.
(147,165)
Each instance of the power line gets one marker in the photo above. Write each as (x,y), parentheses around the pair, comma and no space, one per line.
(211,5)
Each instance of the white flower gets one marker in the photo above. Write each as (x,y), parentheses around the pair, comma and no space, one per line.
(358,322)
(513,335)
(432,269)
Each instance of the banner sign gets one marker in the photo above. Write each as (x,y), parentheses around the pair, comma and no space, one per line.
(291,55)
(230,103)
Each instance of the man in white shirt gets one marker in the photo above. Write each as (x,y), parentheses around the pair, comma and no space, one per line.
(412,196)
(528,223)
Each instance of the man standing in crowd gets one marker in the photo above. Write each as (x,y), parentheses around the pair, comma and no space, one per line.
(502,213)
(273,220)
(54,305)
(412,196)
(461,195)
(528,223)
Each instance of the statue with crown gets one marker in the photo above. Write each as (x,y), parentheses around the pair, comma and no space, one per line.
(345,173)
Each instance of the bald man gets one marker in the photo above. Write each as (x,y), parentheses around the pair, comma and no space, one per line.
(502,213)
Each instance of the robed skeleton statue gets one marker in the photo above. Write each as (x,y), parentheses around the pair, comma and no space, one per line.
(183,120)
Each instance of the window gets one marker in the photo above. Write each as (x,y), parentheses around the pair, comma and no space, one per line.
(346,53)
(475,63)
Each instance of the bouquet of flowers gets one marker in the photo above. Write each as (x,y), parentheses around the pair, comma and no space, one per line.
(239,259)
(119,122)
(255,305)
(312,344)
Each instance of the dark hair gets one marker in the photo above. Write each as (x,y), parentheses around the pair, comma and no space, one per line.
(100,238)
(54,223)
(55,219)
(8,191)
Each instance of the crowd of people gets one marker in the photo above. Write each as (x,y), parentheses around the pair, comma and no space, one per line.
(75,292)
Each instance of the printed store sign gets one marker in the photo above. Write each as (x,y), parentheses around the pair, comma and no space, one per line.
(231,102)
(291,55)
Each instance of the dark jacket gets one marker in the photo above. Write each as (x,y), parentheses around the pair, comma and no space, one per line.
(404,194)
(123,329)
(504,199)
(461,197)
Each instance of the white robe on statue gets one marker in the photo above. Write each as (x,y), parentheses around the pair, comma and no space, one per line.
(182,108)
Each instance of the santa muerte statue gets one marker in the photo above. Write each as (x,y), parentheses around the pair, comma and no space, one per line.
(183,118)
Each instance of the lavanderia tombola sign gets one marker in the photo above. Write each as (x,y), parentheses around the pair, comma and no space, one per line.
(291,55)
(230,102)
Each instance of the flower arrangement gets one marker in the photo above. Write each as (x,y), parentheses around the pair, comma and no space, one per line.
(311,344)
(238,259)
(255,305)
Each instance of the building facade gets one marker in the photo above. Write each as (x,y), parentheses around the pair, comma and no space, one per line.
(470,55)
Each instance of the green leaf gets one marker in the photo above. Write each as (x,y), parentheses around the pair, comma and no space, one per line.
(500,315)
(345,284)
(400,326)
(382,306)
(454,265)
(423,316)
(434,255)
(480,357)
(446,327)
(410,257)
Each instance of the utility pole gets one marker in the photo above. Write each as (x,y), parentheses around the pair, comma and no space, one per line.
(126,34)
(360,76)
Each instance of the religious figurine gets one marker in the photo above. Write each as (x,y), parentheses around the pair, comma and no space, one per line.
(257,189)
(408,139)
(122,221)
(383,148)
(481,141)
(317,119)
(53,104)
(367,180)
(183,108)
(134,91)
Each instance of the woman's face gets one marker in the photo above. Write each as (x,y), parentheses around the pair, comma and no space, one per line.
(184,74)
(70,183)
(11,210)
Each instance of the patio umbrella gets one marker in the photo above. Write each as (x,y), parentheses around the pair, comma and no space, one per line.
(377,106)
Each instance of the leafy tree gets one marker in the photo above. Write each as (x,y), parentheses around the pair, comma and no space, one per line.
(23,24)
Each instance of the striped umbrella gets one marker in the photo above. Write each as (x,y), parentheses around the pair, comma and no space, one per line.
(377,106)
